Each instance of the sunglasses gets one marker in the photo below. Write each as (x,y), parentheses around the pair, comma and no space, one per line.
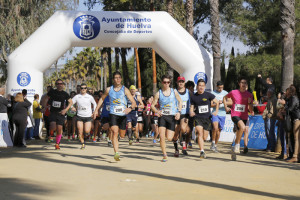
(83,88)
(166,82)
(59,83)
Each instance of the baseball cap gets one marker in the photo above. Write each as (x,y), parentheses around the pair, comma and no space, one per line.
(132,87)
(180,78)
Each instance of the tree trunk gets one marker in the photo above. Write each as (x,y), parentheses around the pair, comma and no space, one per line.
(105,65)
(287,23)
(154,72)
(138,69)
(125,68)
(216,44)
(170,70)
(109,66)
(117,59)
(189,16)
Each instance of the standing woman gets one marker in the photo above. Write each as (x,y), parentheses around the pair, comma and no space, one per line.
(293,109)
(20,113)
(37,115)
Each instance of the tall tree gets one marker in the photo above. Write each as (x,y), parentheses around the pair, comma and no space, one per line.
(109,66)
(117,58)
(170,8)
(190,16)
(216,43)
(223,70)
(125,68)
(287,23)
(231,78)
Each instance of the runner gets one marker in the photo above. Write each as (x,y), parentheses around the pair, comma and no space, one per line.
(133,115)
(167,114)
(84,112)
(201,101)
(57,101)
(105,120)
(219,120)
(241,100)
(190,85)
(154,124)
(71,119)
(182,129)
(96,122)
(117,95)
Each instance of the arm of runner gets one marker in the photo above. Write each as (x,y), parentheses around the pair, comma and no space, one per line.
(216,102)
(177,116)
(70,103)
(225,103)
(94,103)
(131,99)
(95,113)
(153,108)
(141,104)
(192,113)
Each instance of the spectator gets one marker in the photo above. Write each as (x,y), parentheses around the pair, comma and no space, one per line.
(281,132)
(4,103)
(46,112)
(293,109)
(267,84)
(37,115)
(20,113)
(269,116)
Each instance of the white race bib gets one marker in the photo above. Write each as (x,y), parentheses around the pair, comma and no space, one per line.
(56,104)
(119,109)
(203,109)
(239,108)
(184,105)
(166,111)
(82,108)
(140,118)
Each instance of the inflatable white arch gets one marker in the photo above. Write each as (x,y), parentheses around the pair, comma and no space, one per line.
(66,29)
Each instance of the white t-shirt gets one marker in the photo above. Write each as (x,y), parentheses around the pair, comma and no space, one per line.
(84,104)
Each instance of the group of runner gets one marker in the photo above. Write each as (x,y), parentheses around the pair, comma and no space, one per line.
(173,113)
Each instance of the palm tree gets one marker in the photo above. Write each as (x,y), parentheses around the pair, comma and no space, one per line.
(216,44)
(287,23)
(124,67)
(189,16)
(170,5)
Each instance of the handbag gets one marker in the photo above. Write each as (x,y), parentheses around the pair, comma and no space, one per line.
(288,122)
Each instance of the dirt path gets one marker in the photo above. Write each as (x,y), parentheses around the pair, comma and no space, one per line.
(40,172)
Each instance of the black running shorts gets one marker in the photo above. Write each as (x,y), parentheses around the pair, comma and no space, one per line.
(167,121)
(119,121)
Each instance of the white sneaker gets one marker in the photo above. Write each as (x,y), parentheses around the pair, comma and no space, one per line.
(233,155)
(237,149)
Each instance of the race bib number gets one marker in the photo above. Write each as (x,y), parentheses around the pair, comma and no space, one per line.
(140,118)
(166,111)
(108,107)
(239,108)
(56,104)
(119,109)
(184,105)
(82,108)
(203,109)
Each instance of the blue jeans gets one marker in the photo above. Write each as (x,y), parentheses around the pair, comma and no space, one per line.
(28,133)
(270,133)
(282,136)
(36,127)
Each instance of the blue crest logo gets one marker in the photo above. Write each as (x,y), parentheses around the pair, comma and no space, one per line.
(86,27)
(23,79)
(200,75)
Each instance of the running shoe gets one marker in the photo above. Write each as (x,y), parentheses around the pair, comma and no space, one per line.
(117,157)
(138,140)
(73,137)
(176,154)
(216,150)
(82,147)
(130,142)
(50,139)
(202,154)
(57,147)
(165,158)
(184,152)
(94,140)
(233,155)
(154,141)
(98,139)
(245,150)
(109,143)
(212,146)
(190,145)
(237,149)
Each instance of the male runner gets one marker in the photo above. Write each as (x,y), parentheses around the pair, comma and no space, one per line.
(219,120)
(57,101)
(84,112)
(182,129)
(118,109)
(105,120)
(201,102)
(133,115)
(167,114)
(241,100)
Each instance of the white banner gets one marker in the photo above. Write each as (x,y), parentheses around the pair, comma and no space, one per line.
(227,134)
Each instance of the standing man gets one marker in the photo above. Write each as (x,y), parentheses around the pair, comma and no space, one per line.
(167,114)
(200,108)
(182,127)
(58,99)
(219,120)
(267,84)
(84,112)
(133,115)
(118,109)
(241,101)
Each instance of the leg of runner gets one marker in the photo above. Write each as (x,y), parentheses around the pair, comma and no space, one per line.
(136,133)
(214,135)
(96,130)
(246,135)
(109,137)
(87,127)
(162,135)
(175,141)
(239,133)
(129,130)
(59,129)
(69,128)
(80,133)
(184,129)
(115,134)
(200,131)
(73,127)
(52,130)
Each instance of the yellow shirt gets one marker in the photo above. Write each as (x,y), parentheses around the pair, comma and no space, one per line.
(36,114)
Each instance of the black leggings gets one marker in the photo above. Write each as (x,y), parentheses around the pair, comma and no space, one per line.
(20,130)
